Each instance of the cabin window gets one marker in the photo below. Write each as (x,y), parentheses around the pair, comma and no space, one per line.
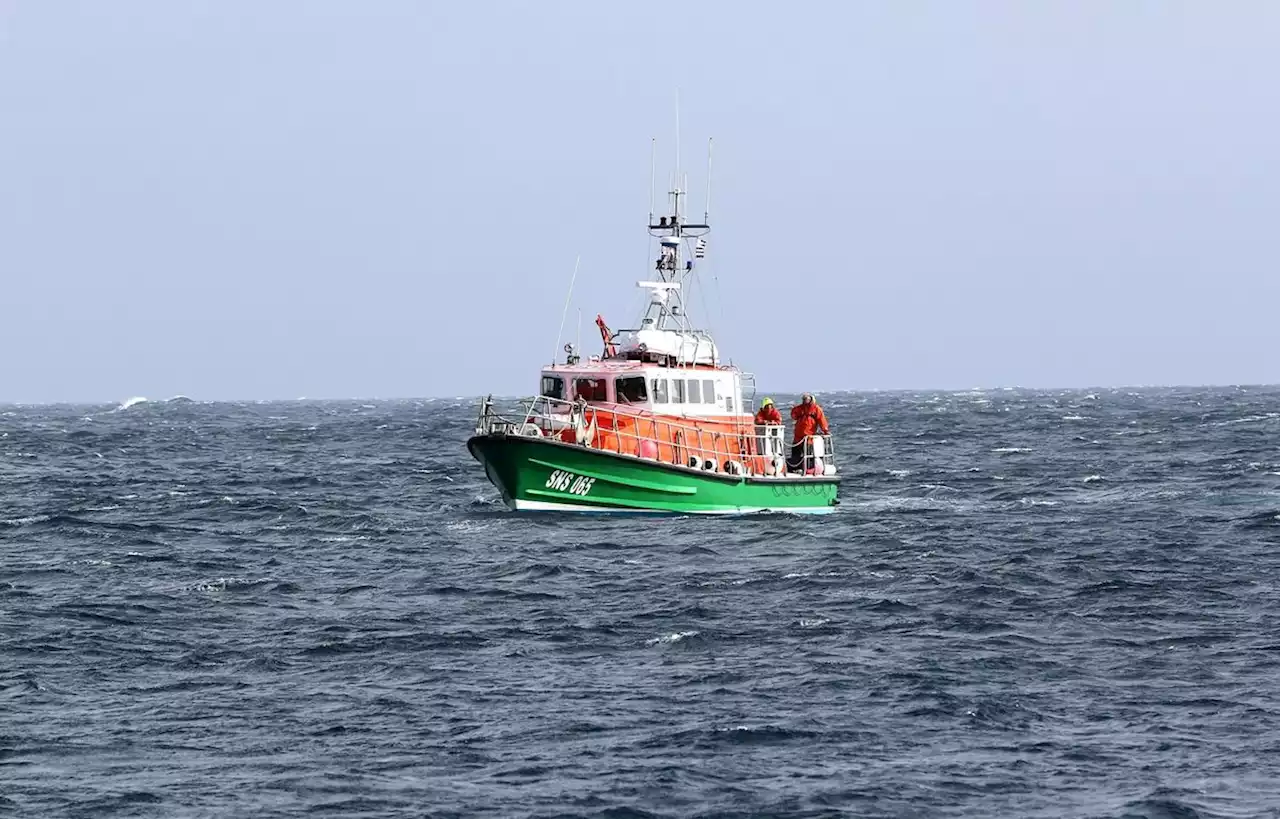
(660,391)
(728,403)
(677,390)
(590,389)
(708,391)
(694,391)
(630,390)
(553,387)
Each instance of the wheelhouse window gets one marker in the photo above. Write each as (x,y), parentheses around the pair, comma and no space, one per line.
(677,390)
(693,391)
(630,390)
(660,395)
(708,391)
(591,389)
(553,387)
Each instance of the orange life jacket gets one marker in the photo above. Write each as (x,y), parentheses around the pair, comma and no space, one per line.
(809,419)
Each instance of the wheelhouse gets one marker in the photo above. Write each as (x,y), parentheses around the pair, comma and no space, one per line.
(683,391)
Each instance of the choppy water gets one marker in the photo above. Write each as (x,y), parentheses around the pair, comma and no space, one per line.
(1030,604)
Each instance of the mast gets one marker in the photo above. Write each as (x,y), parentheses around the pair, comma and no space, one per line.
(666,308)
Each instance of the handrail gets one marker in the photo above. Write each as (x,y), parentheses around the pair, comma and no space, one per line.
(690,445)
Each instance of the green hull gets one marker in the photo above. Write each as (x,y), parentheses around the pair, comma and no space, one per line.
(540,474)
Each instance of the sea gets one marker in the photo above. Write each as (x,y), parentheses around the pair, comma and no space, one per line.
(1028,604)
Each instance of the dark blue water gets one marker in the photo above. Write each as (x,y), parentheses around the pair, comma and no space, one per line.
(1030,604)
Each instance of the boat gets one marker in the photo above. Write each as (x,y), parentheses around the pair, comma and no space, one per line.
(656,422)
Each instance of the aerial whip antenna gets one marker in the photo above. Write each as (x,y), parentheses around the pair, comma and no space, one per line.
(653,150)
(706,215)
(677,136)
(565,314)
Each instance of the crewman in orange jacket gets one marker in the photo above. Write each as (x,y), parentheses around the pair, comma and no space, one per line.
(809,419)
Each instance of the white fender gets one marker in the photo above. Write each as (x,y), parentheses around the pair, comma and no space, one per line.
(584,434)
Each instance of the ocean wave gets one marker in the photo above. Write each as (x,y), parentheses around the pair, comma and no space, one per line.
(672,638)
(314,592)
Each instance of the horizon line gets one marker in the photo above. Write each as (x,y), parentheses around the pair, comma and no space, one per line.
(476,396)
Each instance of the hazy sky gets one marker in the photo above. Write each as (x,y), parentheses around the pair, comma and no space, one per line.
(374,199)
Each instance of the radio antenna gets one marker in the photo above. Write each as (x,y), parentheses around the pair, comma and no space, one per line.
(706,215)
(565,314)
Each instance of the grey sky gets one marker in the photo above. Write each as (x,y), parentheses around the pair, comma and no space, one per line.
(274,200)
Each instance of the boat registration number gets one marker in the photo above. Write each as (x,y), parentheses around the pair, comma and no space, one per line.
(569,482)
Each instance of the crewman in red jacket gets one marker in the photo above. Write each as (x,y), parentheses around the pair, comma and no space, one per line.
(768,413)
(809,419)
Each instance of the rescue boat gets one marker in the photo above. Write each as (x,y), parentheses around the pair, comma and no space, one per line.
(654,423)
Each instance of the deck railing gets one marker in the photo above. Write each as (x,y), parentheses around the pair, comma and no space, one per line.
(740,449)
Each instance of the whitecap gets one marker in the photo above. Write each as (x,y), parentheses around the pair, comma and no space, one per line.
(25,521)
(1248,419)
(137,399)
(468,525)
(910,504)
(222,584)
(899,473)
(1011,449)
(670,639)
(1092,478)
(1073,418)
(812,622)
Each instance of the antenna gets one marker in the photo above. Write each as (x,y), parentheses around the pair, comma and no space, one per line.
(653,170)
(677,135)
(565,314)
(706,216)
